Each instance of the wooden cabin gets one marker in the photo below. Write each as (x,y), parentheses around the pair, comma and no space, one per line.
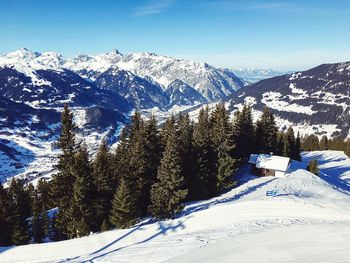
(269,165)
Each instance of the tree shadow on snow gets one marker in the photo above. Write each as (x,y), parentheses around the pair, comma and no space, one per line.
(3,249)
(163,229)
(333,174)
(204,206)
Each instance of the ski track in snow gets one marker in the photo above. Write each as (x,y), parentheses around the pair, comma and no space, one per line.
(309,221)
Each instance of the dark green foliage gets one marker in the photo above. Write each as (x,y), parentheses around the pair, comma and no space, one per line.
(104,185)
(152,148)
(222,141)
(123,213)
(324,143)
(5,223)
(81,221)
(297,156)
(168,193)
(313,167)
(20,208)
(38,224)
(266,133)
(105,225)
(280,144)
(63,182)
(311,143)
(243,133)
(187,156)
(291,147)
(203,183)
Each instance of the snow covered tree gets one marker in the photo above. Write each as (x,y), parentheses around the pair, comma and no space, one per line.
(313,167)
(168,193)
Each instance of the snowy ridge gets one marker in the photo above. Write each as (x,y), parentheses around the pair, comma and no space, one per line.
(307,221)
(211,82)
(316,101)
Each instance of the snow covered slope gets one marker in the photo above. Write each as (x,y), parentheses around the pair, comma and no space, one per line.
(308,221)
(315,101)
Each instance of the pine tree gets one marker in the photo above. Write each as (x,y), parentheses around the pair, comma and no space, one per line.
(297,156)
(324,143)
(63,182)
(187,154)
(104,185)
(5,212)
(123,213)
(313,167)
(289,149)
(280,143)
(266,133)
(152,153)
(203,183)
(20,210)
(166,130)
(311,143)
(81,222)
(168,193)
(243,133)
(222,141)
(38,228)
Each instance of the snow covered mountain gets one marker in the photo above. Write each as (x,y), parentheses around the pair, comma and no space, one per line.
(313,101)
(307,221)
(141,93)
(212,83)
(182,94)
(253,75)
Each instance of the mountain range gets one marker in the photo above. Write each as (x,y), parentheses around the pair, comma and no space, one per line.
(102,90)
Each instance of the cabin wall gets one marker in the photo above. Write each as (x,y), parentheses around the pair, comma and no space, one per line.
(280,174)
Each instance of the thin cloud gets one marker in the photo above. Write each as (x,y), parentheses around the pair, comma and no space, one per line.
(228,5)
(152,8)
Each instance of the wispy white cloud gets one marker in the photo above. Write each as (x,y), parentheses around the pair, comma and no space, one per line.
(153,7)
(228,5)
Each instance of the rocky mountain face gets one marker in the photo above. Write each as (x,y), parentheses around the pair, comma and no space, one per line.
(210,82)
(181,94)
(313,101)
(141,93)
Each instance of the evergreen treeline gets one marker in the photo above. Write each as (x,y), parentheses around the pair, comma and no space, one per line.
(152,172)
(312,143)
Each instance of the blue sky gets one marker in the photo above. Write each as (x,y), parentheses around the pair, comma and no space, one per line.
(284,35)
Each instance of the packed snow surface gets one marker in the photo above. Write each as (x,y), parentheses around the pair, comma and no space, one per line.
(307,221)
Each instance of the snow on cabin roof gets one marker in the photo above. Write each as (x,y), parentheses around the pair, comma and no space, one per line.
(271,162)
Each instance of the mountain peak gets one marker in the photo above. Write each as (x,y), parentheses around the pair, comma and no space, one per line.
(23,53)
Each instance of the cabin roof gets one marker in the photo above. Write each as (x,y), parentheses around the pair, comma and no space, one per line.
(271,162)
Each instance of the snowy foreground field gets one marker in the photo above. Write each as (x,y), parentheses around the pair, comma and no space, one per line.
(308,221)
